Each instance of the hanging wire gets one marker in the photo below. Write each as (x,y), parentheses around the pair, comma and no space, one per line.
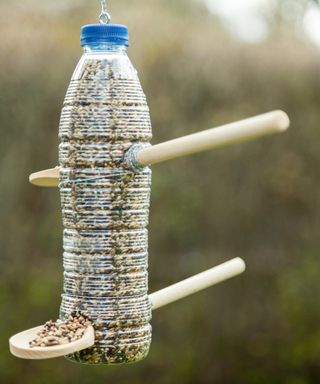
(105,16)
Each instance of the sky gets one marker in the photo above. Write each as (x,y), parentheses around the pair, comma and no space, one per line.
(247,19)
(311,23)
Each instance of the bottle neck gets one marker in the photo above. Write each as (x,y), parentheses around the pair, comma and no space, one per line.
(104,47)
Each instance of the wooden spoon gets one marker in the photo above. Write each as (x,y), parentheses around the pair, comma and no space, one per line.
(229,134)
(19,345)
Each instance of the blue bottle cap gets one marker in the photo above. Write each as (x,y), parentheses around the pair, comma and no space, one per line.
(104,33)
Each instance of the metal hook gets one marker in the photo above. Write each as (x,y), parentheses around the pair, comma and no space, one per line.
(105,16)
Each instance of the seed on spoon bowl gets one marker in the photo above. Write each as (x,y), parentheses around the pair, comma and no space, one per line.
(62,331)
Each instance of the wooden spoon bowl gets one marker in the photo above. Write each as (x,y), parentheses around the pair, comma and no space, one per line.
(19,345)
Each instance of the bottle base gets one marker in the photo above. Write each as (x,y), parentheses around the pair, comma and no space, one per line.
(126,354)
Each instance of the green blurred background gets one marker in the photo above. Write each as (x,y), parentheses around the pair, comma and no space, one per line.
(258,200)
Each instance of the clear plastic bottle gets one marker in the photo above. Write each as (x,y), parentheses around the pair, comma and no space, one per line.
(105,205)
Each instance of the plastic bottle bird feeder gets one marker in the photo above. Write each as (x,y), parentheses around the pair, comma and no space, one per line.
(104,180)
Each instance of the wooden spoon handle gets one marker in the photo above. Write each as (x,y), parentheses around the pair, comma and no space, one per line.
(234,133)
(197,283)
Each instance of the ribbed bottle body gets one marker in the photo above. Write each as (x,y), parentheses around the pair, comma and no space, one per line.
(105,207)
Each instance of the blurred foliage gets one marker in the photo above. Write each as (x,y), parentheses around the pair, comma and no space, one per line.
(259,201)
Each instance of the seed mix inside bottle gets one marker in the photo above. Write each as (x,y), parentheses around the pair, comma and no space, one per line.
(105,205)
